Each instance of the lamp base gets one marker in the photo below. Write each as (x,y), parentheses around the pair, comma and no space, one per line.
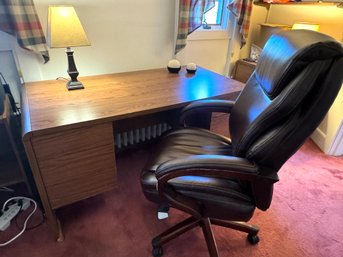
(72,85)
(72,71)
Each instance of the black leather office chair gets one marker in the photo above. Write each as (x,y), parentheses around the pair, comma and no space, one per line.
(219,180)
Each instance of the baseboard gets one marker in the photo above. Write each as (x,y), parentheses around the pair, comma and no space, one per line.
(336,147)
(319,138)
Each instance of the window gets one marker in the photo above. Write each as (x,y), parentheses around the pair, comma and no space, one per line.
(214,16)
(217,17)
(216,26)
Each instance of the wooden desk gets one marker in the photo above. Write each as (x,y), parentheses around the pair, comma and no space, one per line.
(68,135)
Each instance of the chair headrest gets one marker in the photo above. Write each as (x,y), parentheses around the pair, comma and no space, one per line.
(287,53)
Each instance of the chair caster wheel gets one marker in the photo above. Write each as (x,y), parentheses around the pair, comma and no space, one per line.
(162,212)
(157,252)
(253,239)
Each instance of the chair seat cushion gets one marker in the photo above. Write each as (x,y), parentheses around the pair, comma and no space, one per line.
(222,198)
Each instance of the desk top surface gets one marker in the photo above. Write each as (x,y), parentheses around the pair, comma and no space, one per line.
(48,105)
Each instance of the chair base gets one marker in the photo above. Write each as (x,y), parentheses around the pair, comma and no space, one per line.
(205,224)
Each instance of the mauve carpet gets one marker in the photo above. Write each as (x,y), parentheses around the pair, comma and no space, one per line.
(305,218)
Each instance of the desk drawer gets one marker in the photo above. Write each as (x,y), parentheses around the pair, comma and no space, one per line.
(76,164)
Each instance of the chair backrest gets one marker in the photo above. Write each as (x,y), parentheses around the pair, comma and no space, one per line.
(296,80)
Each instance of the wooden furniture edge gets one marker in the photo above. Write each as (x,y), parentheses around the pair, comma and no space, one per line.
(27,124)
(25,116)
(6,111)
(53,223)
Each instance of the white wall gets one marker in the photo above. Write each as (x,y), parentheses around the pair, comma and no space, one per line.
(207,49)
(125,35)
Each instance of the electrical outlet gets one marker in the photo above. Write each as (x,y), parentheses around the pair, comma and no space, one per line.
(7,216)
(26,204)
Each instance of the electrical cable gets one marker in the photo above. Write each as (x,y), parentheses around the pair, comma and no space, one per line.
(29,228)
(15,108)
(3,78)
(62,78)
(27,219)
(7,189)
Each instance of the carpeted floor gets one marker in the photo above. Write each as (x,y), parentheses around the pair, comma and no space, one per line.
(305,219)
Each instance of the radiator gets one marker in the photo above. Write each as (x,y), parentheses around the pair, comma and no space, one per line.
(140,135)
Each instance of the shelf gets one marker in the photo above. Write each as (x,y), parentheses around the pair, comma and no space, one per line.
(267,5)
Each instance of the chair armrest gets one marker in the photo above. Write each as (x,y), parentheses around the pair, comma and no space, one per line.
(204,106)
(212,166)
(207,165)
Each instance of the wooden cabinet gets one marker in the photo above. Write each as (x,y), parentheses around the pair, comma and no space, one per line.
(243,69)
(76,164)
(12,161)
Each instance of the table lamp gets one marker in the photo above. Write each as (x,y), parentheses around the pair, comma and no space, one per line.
(65,30)
(305,25)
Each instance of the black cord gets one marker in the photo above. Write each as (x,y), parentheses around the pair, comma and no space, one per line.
(7,189)
(3,78)
(14,105)
(28,228)
(62,78)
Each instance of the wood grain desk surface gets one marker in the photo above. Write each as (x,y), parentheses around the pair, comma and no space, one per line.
(48,105)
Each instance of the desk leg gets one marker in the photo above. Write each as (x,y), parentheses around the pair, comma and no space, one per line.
(60,236)
(53,222)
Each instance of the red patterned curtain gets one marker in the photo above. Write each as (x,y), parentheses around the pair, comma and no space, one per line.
(191,14)
(242,10)
(19,18)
